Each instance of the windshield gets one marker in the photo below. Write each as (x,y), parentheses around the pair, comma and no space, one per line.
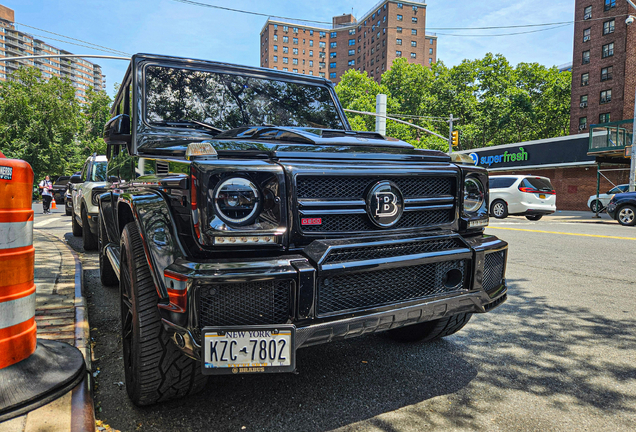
(98,173)
(230,101)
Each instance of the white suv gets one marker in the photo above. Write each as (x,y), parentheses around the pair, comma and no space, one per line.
(85,190)
(521,195)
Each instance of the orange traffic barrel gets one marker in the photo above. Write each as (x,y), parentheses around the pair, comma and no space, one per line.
(18,330)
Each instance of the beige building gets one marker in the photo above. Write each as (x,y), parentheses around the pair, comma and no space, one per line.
(14,43)
(391,29)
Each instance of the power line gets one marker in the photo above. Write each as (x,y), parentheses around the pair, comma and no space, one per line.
(78,40)
(526,25)
(85,46)
(504,34)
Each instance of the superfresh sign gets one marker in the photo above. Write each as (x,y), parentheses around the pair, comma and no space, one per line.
(506,156)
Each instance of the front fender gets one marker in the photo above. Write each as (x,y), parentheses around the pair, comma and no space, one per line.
(158,231)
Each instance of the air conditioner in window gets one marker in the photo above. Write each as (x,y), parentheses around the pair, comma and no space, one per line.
(583,105)
(586,38)
(587,16)
(583,126)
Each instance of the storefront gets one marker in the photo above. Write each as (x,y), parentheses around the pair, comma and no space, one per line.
(564,160)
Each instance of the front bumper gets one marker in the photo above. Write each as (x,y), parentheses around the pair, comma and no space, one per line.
(337,289)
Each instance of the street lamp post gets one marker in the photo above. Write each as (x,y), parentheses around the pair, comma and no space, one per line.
(632,170)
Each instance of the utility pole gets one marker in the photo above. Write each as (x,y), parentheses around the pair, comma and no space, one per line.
(450,135)
(632,170)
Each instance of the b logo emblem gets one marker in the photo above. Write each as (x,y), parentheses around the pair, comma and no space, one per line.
(385,203)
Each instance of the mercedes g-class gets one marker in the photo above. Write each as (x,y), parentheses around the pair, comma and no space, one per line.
(244,219)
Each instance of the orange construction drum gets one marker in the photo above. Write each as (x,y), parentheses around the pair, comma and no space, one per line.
(17,255)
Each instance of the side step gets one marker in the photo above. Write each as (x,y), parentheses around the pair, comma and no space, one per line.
(113,254)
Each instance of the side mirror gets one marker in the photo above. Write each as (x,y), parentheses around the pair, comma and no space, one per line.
(113,179)
(75,179)
(117,130)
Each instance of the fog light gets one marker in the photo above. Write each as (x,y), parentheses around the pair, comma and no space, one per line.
(246,240)
(478,223)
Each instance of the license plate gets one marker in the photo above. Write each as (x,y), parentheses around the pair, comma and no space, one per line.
(542,196)
(249,349)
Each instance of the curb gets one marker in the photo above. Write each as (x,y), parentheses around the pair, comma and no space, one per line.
(82,406)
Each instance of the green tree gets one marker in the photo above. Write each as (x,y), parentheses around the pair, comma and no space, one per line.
(95,114)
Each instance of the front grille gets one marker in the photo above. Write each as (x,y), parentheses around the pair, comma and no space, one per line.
(493,270)
(248,303)
(362,253)
(355,187)
(361,222)
(368,289)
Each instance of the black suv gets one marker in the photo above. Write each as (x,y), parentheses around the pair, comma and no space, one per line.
(244,219)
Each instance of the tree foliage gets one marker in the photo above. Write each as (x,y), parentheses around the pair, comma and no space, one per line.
(43,123)
(495,102)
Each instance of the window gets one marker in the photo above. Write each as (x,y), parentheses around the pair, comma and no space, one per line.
(332,55)
(323,34)
(311,53)
(295,41)
(400,18)
(414,8)
(311,43)
(285,69)
(295,51)
(275,38)
(333,44)
(430,61)
(413,43)
(275,47)
(414,32)
(285,39)
(399,29)
(414,20)
(585,79)
(398,41)
(604,118)
(398,53)
(608,27)
(352,31)
(322,44)
(285,50)
(332,75)
(311,63)
(609,4)
(586,57)
(587,13)
(608,50)
(373,16)
(352,52)
(311,72)
(295,70)
(321,65)
(275,26)
(332,65)
(295,61)
(276,67)
(606,73)
(399,5)
(295,29)
(321,54)
(582,123)
(430,41)
(311,32)
(322,74)
(430,50)
(285,28)
(352,42)
(583,101)
(413,55)
(351,63)
(275,59)
(586,34)
(606,96)
(333,34)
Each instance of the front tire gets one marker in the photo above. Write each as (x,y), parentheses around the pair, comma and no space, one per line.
(156,370)
(594,204)
(431,330)
(534,217)
(107,274)
(626,215)
(499,209)
(89,240)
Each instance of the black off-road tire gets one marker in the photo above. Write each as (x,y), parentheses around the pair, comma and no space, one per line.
(499,209)
(155,369)
(431,330)
(596,203)
(68,212)
(77,228)
(89,239)
(107,274)
(534,217)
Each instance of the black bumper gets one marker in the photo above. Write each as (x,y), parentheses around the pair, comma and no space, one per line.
(341,288)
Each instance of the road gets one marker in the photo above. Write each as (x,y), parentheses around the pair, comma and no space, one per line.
(560,355)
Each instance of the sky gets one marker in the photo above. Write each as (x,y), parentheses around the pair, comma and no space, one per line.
(173,28)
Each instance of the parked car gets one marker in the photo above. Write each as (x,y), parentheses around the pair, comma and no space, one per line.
(240,232)
(59,188)
(604,198)
(85,191)
(521,195)
(622,207)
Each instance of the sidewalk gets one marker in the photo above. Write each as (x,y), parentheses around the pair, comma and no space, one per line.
(60,315)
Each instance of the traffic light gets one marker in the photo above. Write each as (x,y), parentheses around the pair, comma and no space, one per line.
(455,138)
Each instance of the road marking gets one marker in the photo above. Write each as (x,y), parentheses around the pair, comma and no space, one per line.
(45,222)
(564,233)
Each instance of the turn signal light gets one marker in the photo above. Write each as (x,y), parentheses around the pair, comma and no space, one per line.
(245,240)
(200,149)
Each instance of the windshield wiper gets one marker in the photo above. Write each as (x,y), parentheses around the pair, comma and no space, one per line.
(182,122)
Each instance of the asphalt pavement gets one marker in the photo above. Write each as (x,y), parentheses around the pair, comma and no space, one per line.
(560,355)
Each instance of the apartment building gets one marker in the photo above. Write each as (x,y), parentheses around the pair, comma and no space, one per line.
(14,43)
(391,29)
(604,64)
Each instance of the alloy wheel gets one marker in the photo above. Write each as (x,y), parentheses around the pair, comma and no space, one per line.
(498,209)
(626,216)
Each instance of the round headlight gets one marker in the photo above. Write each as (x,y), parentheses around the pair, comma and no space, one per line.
(473,195)
(237,201)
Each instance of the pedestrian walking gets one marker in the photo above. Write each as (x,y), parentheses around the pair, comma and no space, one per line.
(46,186)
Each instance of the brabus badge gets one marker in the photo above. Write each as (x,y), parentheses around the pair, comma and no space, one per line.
(385,203)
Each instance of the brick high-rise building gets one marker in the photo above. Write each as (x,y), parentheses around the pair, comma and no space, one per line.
(14,43)
(604,64)
(390,30)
